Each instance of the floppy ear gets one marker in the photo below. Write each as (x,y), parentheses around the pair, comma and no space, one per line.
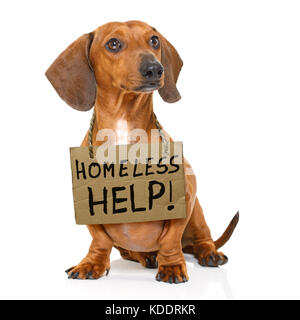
(172,64)
(72,76)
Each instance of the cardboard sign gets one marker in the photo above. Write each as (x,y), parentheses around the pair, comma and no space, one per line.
(139,184)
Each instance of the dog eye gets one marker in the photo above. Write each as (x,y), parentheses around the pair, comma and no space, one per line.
(154,42)
(113,45)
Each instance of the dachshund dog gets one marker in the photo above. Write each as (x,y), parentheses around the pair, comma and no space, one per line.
(116,69)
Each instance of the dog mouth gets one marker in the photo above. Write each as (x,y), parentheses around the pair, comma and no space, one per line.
(148,86)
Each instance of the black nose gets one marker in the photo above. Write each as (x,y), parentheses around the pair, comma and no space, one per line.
(152,70)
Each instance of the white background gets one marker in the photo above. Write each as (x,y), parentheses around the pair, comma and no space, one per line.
(238,119)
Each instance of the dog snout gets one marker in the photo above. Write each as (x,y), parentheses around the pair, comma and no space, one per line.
(151,70)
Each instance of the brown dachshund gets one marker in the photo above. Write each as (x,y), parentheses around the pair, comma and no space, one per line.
(116,69)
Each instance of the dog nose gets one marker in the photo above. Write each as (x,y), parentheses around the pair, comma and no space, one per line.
(152,70)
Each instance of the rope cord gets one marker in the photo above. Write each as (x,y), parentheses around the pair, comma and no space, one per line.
(158,125)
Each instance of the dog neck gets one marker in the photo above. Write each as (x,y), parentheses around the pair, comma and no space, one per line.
(123,111)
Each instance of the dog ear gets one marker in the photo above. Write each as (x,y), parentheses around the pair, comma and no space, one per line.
(172,64)
(72,76)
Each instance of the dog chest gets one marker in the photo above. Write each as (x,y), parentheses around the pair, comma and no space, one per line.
(139,236)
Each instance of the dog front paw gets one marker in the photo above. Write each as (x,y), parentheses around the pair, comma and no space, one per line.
(91,271)
(172,274)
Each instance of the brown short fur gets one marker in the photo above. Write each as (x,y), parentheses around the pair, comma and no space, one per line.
(87,75)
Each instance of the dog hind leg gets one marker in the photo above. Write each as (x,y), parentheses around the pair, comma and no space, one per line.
(198,241)
(146,259)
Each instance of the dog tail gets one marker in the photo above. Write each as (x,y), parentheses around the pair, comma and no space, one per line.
(228,232)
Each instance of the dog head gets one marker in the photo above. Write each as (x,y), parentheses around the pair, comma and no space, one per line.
(130,56)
